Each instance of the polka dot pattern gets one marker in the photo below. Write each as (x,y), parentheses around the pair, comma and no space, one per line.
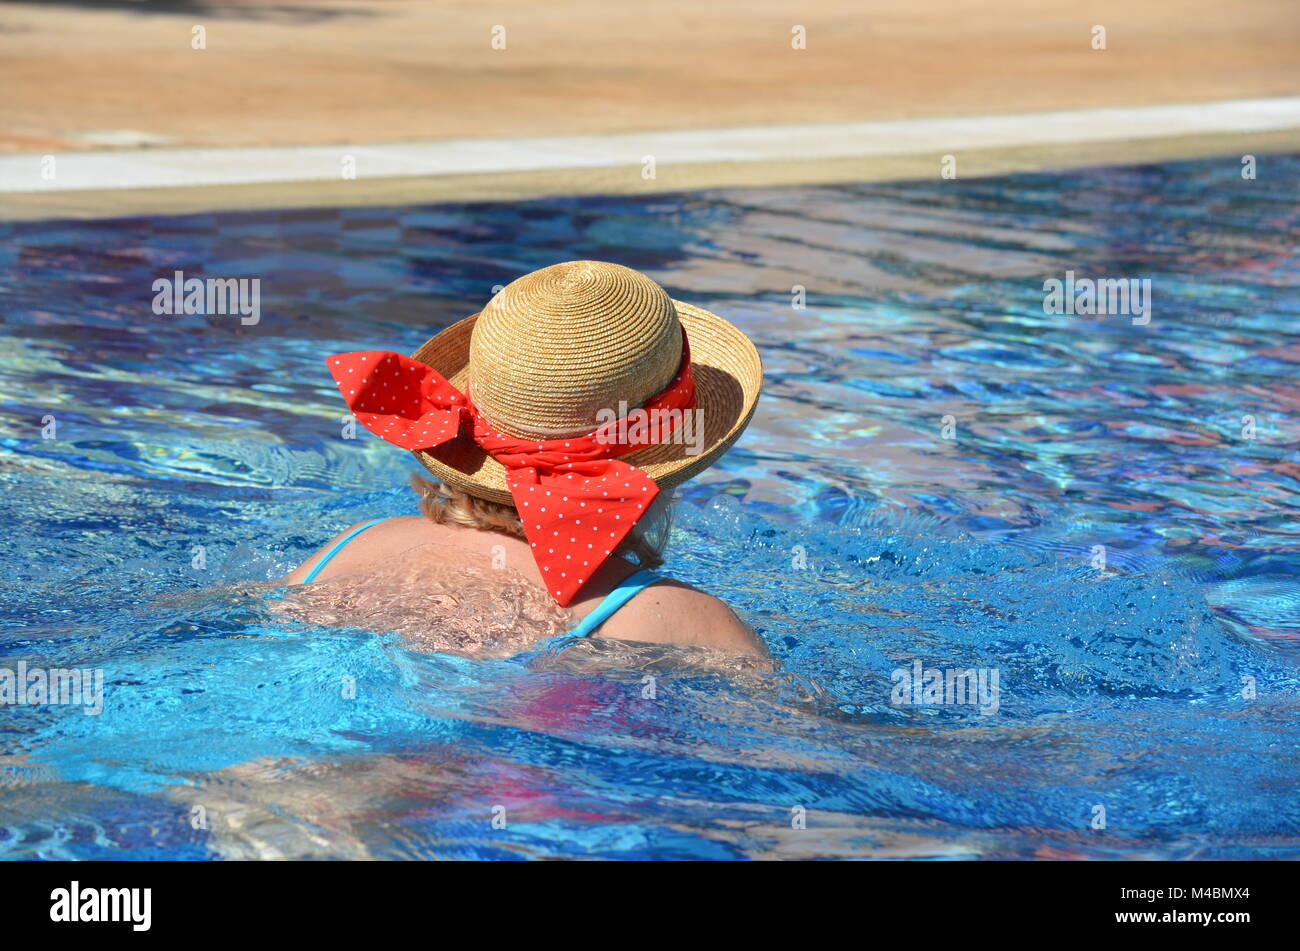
(566,549)
(400,400)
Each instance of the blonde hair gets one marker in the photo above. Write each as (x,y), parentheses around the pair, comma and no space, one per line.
(645,544)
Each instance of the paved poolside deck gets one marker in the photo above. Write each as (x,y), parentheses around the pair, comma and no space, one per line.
(116,93)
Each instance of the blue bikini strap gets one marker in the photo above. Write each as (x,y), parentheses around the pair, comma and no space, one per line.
(622,593)
(336,548)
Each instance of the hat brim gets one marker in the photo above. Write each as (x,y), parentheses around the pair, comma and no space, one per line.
(728,377)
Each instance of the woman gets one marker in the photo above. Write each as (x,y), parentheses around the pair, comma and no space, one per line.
(551,421)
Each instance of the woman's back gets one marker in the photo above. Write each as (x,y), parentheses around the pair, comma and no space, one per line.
(450,587)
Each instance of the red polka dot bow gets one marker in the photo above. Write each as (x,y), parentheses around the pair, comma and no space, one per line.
(577,501)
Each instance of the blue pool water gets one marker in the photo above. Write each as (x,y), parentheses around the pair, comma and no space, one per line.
(1147,709)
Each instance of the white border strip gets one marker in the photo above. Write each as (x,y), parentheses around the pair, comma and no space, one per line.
(172,168)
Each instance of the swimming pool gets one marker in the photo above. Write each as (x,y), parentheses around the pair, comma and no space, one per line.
(1092,522)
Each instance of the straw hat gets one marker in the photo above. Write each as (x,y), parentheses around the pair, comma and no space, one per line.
(555,347)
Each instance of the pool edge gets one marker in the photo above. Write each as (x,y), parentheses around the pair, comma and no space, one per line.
(522,185)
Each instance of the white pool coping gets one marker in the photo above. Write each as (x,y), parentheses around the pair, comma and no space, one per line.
(181,168)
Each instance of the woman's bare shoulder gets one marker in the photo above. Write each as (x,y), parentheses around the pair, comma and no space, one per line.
(377,540)
(670,612)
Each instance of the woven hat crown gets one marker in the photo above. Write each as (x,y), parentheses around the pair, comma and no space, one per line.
(555,347)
